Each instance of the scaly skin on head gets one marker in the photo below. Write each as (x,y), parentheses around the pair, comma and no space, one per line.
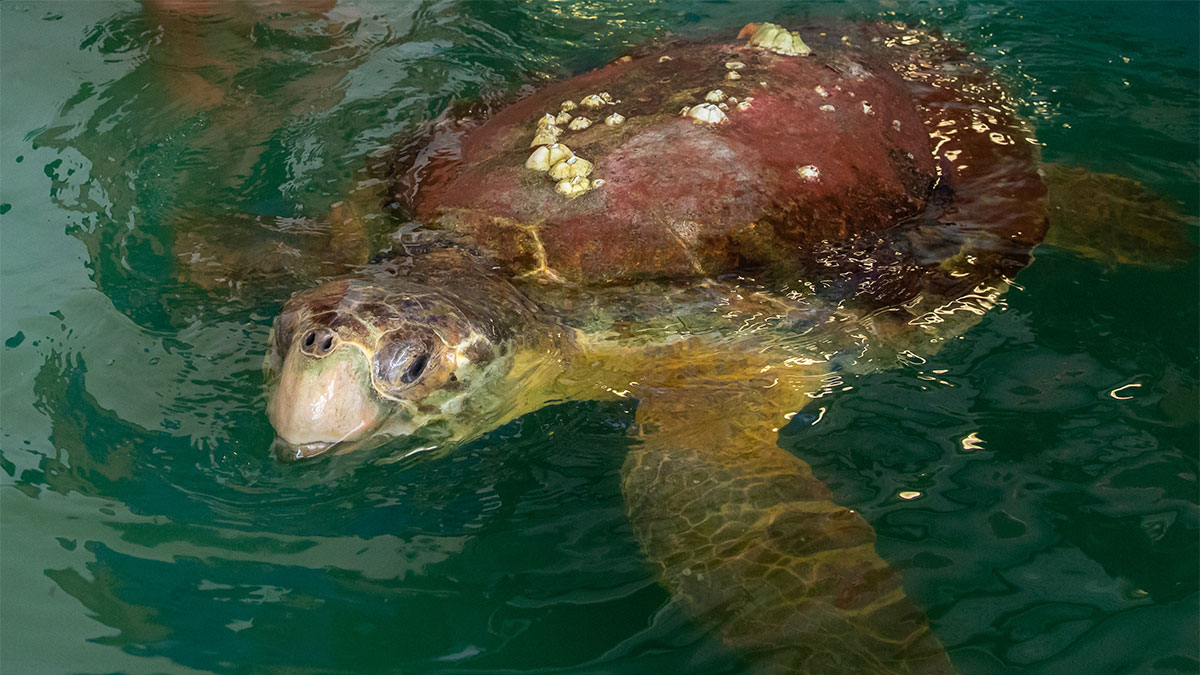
(449,352)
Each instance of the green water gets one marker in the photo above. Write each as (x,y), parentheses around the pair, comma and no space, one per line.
(146,528)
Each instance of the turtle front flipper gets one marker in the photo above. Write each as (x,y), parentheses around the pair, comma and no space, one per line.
(238,251)
(1114,220)
(349,239)
(752,543)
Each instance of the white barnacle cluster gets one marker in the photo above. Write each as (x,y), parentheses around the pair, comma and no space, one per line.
(547,132)
(547,156)
(775,38)
(705,112)
(571,167)
(568,171)
(717,102)
(597,101)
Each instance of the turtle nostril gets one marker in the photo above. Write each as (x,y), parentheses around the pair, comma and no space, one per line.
(318,342)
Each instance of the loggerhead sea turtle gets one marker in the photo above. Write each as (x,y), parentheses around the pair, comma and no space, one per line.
(717,230)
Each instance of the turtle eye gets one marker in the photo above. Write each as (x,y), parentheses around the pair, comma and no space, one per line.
(284,328)
(414,371)
(402,362)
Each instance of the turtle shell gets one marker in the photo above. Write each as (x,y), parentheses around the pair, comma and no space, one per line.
(731,157)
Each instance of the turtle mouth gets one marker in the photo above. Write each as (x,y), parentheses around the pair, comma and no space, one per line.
(294,452)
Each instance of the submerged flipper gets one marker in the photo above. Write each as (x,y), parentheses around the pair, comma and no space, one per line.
(1113,220)
(231,252)
(750,541)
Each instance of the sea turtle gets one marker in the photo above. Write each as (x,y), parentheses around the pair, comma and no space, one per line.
(736,225)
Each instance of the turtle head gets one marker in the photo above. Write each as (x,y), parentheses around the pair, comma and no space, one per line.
(352,364)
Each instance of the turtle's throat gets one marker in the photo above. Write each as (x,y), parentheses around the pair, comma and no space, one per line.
(321,403)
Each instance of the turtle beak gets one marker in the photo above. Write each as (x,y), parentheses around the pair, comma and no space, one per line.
(287,453)
(320,403)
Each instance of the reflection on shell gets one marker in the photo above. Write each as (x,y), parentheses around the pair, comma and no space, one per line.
(715,96)
(809,173)
(614,119)
(568,105)
(563,117)
(734,65)
(733,75)
(579,124)
(592,101)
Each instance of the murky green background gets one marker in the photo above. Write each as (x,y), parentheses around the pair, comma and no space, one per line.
(146,529)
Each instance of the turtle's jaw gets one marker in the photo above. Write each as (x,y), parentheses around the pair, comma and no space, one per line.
(286,452)
(323,403)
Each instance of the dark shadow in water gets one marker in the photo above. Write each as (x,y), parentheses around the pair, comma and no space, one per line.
(507,553)
(1056,527)
(226,616)
(205,139)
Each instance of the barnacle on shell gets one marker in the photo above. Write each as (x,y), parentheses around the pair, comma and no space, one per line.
(547,156)
(543,138)
(776,38)
(705,112)
(572,187)
(571,167)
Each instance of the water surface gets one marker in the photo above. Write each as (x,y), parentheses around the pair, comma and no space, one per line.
(147,529)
